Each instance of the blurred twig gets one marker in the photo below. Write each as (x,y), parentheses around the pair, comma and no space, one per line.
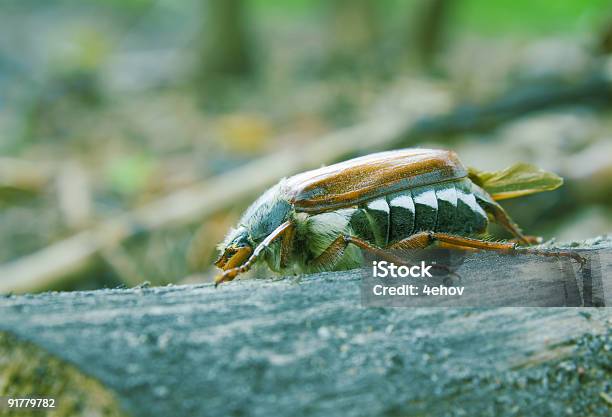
(74,195)
(593,90)
(50,266)
(23,175)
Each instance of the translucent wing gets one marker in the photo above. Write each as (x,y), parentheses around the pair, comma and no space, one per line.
(515,181)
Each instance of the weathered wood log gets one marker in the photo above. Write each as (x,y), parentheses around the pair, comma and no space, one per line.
(27,368)
(308,347)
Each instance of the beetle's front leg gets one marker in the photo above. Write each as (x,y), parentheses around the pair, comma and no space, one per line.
(230,274)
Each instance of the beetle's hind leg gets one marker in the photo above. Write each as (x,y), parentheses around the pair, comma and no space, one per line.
(502,218)
(334,252)
(557,253)
(461,242)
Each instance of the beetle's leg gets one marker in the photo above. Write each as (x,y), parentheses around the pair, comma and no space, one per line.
(422,240)
(417,241)
(331,255)
(374,250)
(504,247)
(286,246)
(230,274)
(334,252)
(390,257)
(554,253)
(503,219)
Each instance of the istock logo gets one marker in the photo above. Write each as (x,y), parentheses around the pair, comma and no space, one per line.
(383,269)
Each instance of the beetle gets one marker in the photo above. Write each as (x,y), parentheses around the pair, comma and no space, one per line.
(323,219)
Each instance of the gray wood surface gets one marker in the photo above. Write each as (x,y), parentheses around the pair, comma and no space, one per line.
(293,347)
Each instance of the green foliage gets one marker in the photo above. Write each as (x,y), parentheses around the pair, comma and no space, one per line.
(129,174)
(527,17)
(530,16)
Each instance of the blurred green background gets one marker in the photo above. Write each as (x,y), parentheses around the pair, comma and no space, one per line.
(111,106)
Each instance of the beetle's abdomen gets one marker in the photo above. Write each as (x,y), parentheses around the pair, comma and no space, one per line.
(447,207)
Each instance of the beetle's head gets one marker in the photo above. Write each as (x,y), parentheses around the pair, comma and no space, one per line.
(268,212)
(235,250)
